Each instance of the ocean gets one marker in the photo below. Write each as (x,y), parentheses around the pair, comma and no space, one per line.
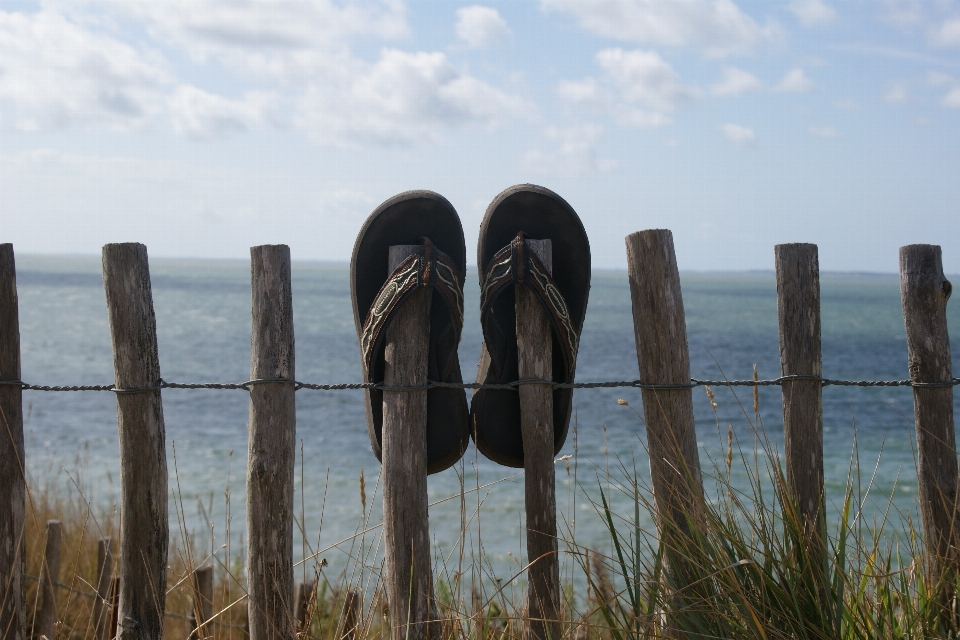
(203,324)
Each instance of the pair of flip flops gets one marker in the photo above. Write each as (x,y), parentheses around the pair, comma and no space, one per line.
(427,219)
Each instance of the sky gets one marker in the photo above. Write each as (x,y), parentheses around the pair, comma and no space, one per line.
(204,127)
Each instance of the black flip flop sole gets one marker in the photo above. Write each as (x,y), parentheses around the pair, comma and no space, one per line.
(541,214)
(404,220)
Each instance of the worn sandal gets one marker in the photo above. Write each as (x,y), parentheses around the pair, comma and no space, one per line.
(526,211)
(427,219)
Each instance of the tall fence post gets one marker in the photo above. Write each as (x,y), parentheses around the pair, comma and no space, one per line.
(924,292)
(271,449)
(404,468)
(202,608)
(662,353)
(144,527)
(535,361)
(101,618)
(49,579)
(13,488)
(798,313)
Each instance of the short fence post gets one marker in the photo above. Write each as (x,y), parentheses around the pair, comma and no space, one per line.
(352,615)
(202,608)
(101,619)
(271,449)
(114,606)
(301,605)
(144,527)
(662,353)
(49,579)
(409,581)
(535,361)
(13,618)
(798,313)
(924,292)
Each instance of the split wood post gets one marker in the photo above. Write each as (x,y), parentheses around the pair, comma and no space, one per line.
(662,353)
(271,447)
(13,615)
(101,605)
(352,615)
(202,608)
(302,597)
(924,292)
(49,580)
(535,362)
(406,527)
(114,605)
(798,313)
(144,528)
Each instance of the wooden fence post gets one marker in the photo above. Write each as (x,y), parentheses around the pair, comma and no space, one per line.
(406,530)
(302,595)
(535,361)
(13,618)
(271,452)
(202,608)
(798,313)
(101,618)
(661,336)
(924,292)
(49,579)
(144,528)
(352,615)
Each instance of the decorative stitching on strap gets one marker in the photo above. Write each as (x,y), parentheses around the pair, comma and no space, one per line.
(427,268)
(514,264)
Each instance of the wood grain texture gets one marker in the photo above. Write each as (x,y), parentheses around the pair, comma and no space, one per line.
(101,605)
(535,360)
(13,618)
(202,608)
(406,526)
(924,292)
(144,526)
(271,454)
(798,313)
(49,577)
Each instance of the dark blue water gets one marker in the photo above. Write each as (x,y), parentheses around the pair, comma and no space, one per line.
(203,322)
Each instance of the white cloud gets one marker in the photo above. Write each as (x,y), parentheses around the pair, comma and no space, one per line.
(847,104)
(403,97)
(716,27)
(738,134)
(824,132)
(952,99)
(574,153)
(939,79)
(904,14)
(203,115)
(645,78)
(812,12)
(479,26)
(57,74)
(948,33)
(897,94)
(795,81)
(734,82)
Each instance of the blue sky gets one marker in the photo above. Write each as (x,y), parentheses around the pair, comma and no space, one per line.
(203,127)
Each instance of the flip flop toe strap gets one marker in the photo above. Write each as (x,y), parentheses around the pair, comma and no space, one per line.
(428,267)
(515,264)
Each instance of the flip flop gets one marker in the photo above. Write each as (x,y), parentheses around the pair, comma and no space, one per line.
(427,219)
(534,212)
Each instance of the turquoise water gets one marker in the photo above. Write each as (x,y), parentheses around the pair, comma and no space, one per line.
(203,322)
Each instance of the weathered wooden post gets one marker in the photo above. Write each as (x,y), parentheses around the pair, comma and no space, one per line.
(49,579)
(661,336)
(101,618)
(535,362)
(352,615)
(798,312)
(144,528)
(271,449)
(924,292)
(13,487)
(302,595)
(202,608)
(409,580)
